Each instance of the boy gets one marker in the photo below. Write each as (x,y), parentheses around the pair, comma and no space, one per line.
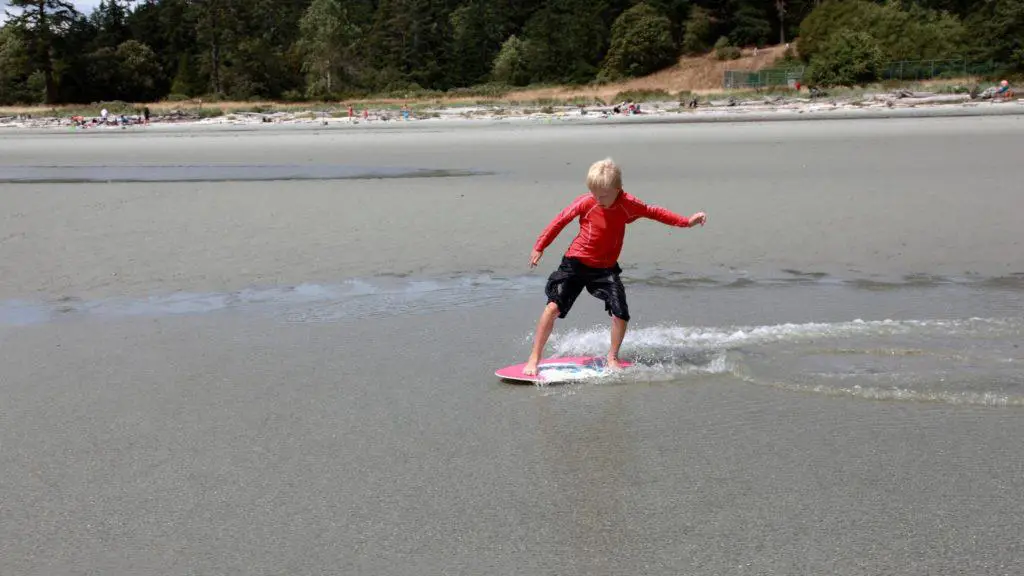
(591,261)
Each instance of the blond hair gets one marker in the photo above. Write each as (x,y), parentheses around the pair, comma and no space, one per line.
(604,175)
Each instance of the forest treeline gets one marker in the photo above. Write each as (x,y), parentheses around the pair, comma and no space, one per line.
(147,50)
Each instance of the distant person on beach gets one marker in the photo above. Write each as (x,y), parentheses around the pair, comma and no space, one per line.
(145,114)
(591,261)
(1001,91)
(627,107)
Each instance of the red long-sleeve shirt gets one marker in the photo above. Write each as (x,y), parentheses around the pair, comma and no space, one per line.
(602,230)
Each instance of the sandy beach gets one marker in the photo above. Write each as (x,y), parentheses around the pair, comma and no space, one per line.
(269,349)
(715,107)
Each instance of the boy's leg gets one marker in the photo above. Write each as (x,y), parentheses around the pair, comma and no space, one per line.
(618,335)
(608,286)
(563,286)
(545,324)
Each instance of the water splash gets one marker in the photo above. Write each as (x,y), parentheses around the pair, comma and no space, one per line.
(961,361)
(591,341)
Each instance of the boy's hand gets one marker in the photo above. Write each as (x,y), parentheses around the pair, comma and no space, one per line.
(698,218)
(535,257)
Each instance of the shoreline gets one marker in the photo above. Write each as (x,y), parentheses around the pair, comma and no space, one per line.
(877,106)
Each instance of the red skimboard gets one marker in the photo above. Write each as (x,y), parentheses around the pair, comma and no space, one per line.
(567,369)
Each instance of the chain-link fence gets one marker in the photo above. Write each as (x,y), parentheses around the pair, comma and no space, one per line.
(924,69)
(901,70)
(938,69)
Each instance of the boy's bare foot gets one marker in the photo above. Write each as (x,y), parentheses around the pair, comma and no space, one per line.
(531,367)
(613,364)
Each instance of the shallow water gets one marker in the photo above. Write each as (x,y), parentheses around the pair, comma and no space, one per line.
(939,340)
(212,173)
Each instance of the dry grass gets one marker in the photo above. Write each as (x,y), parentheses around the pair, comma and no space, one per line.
(697,74)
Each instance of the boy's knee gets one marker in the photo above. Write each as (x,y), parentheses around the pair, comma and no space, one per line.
(616,307)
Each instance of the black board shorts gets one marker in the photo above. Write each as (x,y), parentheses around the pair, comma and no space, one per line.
(567,282)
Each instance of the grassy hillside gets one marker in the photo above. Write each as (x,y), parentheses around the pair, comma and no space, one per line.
(698,74)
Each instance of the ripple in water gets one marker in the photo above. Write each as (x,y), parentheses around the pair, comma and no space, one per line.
(217,173)
(974,361)
(357,298)
(961,361)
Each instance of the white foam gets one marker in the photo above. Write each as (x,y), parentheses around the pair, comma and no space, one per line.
(595,340)
(668,370)
(667,353)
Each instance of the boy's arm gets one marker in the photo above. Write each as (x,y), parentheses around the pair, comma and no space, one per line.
(554,228)
(664,216)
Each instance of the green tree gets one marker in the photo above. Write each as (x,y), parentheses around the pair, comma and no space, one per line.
(71,51)
(408,42)
(14,65)
(111,21)
(789,14)
(697,35)
(724,50)
(477,30)
(902,33)
(328,42)
(258,62)
(169,28)
(186,79)
(959,8)
(780,10)
(129,72)
(677,12)
(103,75)
(565,41)
(510,63)
(997,33)
(641,43)
(138,71)
(914,32)
(213,34)
(848,58)
(750,25)
(829,18)
(41,23)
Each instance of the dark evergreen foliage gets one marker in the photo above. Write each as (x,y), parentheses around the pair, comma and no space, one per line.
(141,50)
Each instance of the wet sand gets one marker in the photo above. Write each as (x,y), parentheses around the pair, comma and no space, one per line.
(365,433)
(225,445)
(859,199)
